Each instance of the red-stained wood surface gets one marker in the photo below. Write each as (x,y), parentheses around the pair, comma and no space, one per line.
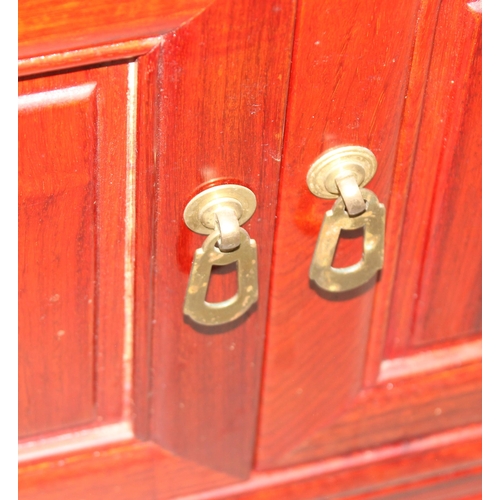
(146,170)
(348,84)
(445,465)
(224,80)
(56,259)
(83,57)
(71,195)
(211,109)
(323,349)
(275,25)
(437,293)
(399,410)
(48,26)
(408,137)
(445,461)
(131,471)
(461,486)
(127,468)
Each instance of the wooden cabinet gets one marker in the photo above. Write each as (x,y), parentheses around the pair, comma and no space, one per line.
(126,112)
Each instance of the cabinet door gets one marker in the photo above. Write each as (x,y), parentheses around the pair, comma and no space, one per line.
(122,396)
(398,358)
(220,120)
(132,399)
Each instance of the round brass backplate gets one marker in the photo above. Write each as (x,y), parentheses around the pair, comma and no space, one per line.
(340,162)
(199,214)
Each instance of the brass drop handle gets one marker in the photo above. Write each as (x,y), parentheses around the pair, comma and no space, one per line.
(341,173)
(219,212)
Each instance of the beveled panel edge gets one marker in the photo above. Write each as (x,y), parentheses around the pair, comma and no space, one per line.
(74,441)
(79,92)
(87,56)
(54,26)
(130,232)
(431,360)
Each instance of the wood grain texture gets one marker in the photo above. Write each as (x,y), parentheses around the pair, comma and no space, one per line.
(72,164)
(84,57)
(395,222)
(73,441)
(461,486)
(306,386)
(131,471)
(348,84)
(450,293)
(223,80)
(399,410)
(431,360)
(445,465)
(464,485)
(56,258)
(147,145)
(145,471)
(111,211)
(211,107)
(48,26)
(91,461)
(437,293)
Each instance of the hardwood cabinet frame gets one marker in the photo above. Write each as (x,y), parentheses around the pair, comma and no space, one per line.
(163,51)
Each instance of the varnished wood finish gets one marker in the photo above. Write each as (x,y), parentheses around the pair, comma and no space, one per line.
(399,410)
(56,258)
(323,348)
(130,471)
(88,56)
(408,138)
(316,346)
(147,144)
(221,113)
(437,294)
(431,360)
(345,412)
(48,26)
(72,163)
(144,471)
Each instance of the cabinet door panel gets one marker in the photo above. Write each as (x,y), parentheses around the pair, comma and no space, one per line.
(373,368)
(327,388)
(57,268)
(348,84)
(72,134)
(221,115)
(210,110)
(437,293)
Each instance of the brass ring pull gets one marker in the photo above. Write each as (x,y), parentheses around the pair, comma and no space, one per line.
(219,211)
(341,172)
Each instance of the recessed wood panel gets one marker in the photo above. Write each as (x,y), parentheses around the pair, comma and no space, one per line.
(72,142)
(57,167)
(438,287)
